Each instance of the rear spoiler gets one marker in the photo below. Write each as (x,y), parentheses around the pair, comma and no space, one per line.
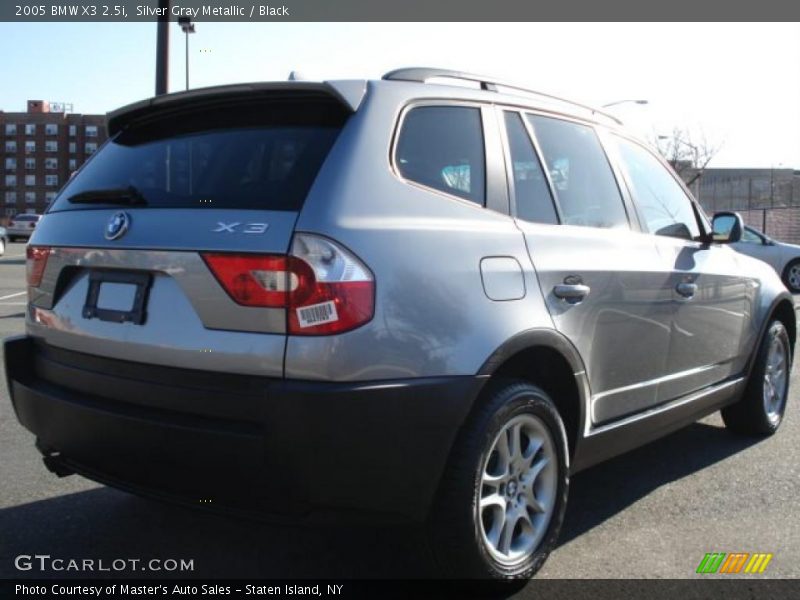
(349,93)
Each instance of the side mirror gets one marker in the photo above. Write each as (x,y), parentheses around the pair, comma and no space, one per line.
(727,227)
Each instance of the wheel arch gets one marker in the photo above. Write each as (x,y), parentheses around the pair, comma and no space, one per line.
(782,308)
(548,359)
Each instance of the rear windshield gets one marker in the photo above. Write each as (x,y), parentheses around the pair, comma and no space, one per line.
(25,218)
(263,157)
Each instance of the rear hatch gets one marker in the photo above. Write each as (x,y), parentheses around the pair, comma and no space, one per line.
(137,257)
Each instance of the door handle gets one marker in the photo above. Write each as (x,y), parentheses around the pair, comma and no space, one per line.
(686,289)
(572,293)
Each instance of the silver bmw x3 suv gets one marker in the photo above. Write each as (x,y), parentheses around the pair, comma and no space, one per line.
(429,298)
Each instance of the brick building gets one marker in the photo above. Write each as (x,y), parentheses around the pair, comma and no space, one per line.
(39,150)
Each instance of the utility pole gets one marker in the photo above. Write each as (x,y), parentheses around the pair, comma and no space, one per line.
(187,27)
(162,48)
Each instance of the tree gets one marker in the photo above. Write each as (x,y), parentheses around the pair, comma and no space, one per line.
(689,157)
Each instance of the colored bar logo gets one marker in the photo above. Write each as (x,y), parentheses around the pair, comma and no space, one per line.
(735,562)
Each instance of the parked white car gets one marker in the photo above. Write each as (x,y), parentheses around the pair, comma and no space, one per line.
(22,226)
(784,258)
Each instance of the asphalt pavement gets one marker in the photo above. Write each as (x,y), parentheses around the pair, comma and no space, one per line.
(653,513)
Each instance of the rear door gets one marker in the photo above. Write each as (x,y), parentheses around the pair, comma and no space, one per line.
(603,280)
(709,291)
(148,253)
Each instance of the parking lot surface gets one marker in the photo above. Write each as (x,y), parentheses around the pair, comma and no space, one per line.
(652,513)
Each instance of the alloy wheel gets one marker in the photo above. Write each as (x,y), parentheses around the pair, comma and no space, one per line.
(519,479)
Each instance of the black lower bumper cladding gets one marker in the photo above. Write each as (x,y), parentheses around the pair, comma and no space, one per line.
(276,448)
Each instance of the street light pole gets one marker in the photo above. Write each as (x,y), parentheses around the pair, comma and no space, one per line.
(187,27)
(162,48)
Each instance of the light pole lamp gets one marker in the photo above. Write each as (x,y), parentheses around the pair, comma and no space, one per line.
(624,102)
(187,27)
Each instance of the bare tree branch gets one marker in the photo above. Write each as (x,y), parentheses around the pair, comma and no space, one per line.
(688,156)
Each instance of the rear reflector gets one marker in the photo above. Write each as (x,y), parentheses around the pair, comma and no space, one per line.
(36,263)
(324,287)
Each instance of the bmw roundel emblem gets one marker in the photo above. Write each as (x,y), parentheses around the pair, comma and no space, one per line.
(117,226)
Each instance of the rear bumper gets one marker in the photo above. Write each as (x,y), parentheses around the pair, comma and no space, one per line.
(305,450)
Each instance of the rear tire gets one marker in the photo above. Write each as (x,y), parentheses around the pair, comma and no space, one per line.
(761,408)
(502,498)
(791,276)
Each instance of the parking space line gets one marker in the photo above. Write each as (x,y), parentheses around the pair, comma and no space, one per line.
(12,295)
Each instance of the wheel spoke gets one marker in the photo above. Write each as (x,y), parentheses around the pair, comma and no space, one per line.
(507,535)
(493,500)
(515,442)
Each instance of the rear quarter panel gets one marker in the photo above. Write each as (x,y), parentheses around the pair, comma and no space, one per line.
(432,316)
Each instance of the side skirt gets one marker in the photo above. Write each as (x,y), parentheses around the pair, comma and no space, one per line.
(601,443)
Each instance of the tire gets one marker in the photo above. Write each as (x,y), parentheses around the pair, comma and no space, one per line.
(490,483)
(760,410)
(791,276)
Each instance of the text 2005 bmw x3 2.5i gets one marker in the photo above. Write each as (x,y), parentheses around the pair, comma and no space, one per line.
(400,299)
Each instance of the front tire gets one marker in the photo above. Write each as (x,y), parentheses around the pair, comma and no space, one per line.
(502,499)
(791,276)
(761,408)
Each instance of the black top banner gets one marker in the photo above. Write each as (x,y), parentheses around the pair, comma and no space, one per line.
(395,10)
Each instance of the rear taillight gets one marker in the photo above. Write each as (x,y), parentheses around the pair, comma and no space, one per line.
(324,287)
(37,261)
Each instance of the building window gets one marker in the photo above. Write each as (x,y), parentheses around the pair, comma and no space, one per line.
(30,129)
(51,163)
(90,147)
(11,197)
(30,180)
(49,196)
(73,164)
(30,197)
(11,164)
(51,146)
(11,180)
(30,164)
(10,212)
(72,148)
(72,130)
(11,146)
(51,129)
(91,131)
(51,180)
(30,147)
(11,129)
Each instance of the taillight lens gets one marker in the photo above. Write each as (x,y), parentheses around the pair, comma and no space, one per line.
(324,287)
(335,292)
(36,263)
(252,279)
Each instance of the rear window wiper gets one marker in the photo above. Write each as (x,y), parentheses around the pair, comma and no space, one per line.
(123,195)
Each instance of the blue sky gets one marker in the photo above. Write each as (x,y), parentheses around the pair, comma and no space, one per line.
(737,84)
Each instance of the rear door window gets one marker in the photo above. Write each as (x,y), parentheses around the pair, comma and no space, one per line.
(442,147)
(584,183)
(235,158)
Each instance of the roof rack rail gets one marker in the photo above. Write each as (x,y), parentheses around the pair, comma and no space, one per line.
(425,74)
